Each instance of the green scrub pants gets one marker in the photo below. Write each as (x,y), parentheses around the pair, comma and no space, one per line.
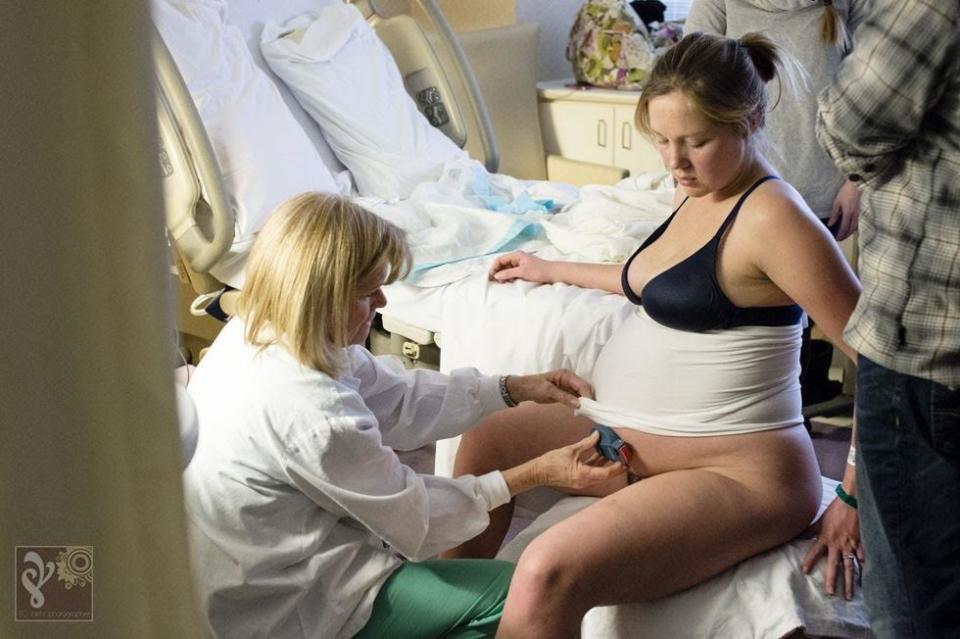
(456,598)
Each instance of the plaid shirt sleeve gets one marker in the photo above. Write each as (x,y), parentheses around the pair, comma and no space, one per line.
(891,121)
(878,104)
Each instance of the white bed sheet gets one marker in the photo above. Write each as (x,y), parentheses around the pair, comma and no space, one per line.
(551,323)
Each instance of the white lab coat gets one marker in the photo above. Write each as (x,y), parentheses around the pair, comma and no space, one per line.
(298,506)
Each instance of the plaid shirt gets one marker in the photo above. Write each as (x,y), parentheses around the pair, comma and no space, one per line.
(891,121)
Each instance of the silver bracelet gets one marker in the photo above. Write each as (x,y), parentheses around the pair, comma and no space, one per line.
(505,394)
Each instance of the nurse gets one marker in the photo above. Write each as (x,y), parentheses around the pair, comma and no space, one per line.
(701,380)
(302,517)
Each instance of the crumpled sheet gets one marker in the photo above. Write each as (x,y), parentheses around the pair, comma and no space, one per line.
(469,213)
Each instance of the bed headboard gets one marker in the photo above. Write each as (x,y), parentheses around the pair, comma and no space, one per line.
(435,71)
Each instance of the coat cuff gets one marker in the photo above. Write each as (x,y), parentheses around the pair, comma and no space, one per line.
(489,394)
(493,487)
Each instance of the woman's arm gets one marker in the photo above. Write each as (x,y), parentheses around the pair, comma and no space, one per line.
(572,467)
(418,407)
(337,459)
(798,255)
(885,46)
(524,266)
(791,248)
(838,535)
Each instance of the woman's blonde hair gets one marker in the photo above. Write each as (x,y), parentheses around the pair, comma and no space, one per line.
(303,271)
(724,78)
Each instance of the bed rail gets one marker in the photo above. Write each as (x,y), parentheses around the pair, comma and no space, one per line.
(199,221)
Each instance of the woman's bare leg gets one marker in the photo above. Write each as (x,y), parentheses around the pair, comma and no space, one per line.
(508,438)
(655,537)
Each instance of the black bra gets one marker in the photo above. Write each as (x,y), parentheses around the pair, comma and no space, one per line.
(688,297)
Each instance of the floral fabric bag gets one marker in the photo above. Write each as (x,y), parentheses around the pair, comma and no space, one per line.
(609,45)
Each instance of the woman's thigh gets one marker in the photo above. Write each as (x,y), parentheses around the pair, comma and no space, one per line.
(511,437)
(519,434)
(669,532)
(472,592)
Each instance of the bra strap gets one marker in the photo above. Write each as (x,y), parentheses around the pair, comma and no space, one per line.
(743,198)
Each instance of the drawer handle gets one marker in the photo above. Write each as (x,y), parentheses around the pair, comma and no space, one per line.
(602,133)
(626,136)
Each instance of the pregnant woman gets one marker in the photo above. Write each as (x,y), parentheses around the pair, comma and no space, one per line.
(702,380)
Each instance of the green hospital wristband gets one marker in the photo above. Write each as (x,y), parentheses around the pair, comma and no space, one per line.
(845,497)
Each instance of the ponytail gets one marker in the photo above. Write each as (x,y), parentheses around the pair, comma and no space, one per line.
(832,29)
(763,53)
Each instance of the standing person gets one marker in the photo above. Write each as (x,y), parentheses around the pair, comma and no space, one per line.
(816,33)
(891,120)
(700,381)
(300,512)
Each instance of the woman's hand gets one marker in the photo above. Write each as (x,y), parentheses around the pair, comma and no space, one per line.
(838,537)
(576,466)
(559,386)
(846,210)
(520,266)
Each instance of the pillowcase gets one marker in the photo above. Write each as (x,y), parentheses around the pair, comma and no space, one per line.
(265,156)
(346,79)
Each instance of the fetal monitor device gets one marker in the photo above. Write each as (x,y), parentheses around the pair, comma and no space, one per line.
(611,446)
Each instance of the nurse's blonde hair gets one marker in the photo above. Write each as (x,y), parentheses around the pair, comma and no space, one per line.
(303,273)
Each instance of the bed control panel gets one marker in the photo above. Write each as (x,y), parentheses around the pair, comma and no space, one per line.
(428,93)
(430,104)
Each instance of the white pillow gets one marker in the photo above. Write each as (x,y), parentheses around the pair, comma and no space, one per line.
(345,77)
(264,155)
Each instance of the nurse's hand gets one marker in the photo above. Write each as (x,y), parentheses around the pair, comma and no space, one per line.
(559,386)
(520,266)
(574,467)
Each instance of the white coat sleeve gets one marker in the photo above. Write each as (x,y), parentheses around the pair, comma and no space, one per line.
(418,407)
(336,458)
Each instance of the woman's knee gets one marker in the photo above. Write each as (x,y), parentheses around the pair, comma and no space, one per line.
(481,448)
(548,576)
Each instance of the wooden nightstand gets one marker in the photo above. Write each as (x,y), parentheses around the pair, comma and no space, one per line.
(594,125)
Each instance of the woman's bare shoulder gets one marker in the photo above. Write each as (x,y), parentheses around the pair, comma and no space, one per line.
(774,207)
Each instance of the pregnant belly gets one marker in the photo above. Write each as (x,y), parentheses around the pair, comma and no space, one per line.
(663,381)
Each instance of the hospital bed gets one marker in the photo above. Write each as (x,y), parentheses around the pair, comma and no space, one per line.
(255,105)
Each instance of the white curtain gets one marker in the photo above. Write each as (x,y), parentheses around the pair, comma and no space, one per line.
(88,437)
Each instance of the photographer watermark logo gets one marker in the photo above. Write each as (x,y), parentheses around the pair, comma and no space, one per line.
(54,583)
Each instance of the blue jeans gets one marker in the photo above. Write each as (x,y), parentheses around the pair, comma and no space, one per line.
(908,486)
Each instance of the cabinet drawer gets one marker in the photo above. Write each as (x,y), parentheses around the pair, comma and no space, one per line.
(580,131)
(632,150)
